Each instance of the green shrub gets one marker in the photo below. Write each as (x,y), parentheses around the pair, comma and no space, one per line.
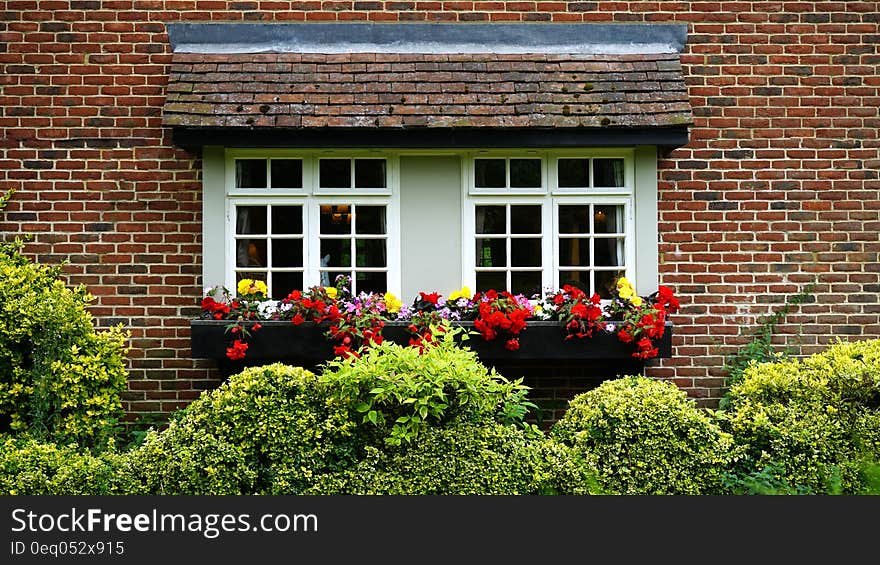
(60,379)
(464,458)
(268,430)
(644,436)
(810,424)
(400,392)
(28,467)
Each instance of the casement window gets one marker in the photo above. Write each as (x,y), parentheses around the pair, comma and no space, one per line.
(296,222)
(543,222)
(408,221)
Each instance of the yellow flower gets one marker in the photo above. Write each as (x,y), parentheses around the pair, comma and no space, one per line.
(464,292)
(247,287)
(331,291)
(636,301)
(392,304)
(624,289)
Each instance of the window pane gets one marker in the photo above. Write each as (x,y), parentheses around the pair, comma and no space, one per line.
(607,172)
(370,220)
(525,173)
(249,275)
(574,252)
(606,282)
(283,283)
(608,219)
(250,253)
(525,219)
(370,252)
(335,219)
(490,173)
(525,252)
(372,282)
(527,283)
(250,220)
(369,173)
(335,173)
(287,219)
(491,219)
(573,173)
(574,219)
(287,253)
(336,253)
(579,279)
(491,252)
(287,173)
(328,278)
(250,173)
(608,252)
(491,281)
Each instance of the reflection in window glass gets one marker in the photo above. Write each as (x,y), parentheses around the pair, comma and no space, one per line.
(250,173)
(608,252)
(336,253)
(491,280)
(286,173)
(525,219)
(490,173)
(574,219)
(606,282)
(491,219)
(369,173)
(335,173)
(525,252)
(335,219)
(525,173)
(365,258)
(491,252)
(607,219)
(251,253)
(250,220)
(287,252)
(608,173)
(287,220)
(527,283)
(370,220)
(573,173)
(574,252)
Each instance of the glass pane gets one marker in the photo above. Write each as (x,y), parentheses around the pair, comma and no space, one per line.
(249,275)
(525,252)
(491,281)
(370,220)
(370,252)
(287,173)
(608,219)
(287,219)
(336,253)
(328,278)
(573,173)
(335,219)
(283,283)
(250,220)
(369,173)
(606,282)
(574,219)
(335,173)
(527,283)
(250,173)
(491,219)
(579,279)
(607,172)
(491,252)
(287,253)
(525,219)
(608,252)
(250,253)
(490,173)
(372,282)
(574,252)
(525,173)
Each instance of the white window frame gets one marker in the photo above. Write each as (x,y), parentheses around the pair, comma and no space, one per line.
(311,197)
(550,197)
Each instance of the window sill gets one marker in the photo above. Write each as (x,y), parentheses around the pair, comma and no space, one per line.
(306,343)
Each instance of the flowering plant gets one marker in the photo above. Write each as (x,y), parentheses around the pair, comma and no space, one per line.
(354,323)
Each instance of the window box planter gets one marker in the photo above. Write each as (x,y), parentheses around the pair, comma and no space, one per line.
(306,344)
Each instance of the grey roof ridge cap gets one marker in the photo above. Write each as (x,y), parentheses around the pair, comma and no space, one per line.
(417,37)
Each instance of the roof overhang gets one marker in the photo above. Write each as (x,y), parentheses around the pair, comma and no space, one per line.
(427,85)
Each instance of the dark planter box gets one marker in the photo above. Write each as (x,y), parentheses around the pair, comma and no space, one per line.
(306,344)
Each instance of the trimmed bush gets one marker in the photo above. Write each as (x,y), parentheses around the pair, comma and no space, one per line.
(398,392)
(643,436)
(809,425)
(462,459)
(60,379)
(28,467)
(268,430)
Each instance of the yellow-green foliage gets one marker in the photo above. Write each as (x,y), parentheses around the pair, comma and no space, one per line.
(644,436)
(462,459)
(60,379)
(268,430)
(28,467)
(815,421)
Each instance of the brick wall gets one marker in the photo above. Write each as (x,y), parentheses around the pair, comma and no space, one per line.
(778,186)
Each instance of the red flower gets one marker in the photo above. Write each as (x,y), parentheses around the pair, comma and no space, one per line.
(237,351)
(432,297)
(512,344)
(297,320)
(256,326)
(295,295)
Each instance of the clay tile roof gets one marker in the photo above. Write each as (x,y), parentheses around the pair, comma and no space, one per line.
(394,90)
